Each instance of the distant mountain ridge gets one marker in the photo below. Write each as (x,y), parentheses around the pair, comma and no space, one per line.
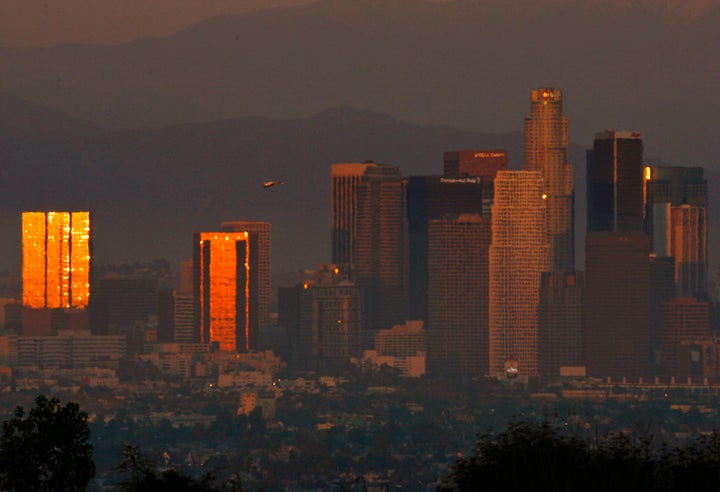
(150,189)
(636,64)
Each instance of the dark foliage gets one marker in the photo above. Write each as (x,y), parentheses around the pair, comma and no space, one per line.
(142,475)
(540,457)
(46,449)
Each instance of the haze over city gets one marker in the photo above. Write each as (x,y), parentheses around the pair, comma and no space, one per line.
(464,65)
(322,244)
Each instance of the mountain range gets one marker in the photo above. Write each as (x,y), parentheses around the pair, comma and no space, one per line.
(641,65)
(150,189)
(161,137)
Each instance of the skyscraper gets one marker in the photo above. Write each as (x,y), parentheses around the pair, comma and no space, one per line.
(676,205)
(345,181)
(519,254)
(615,182)
(380,248)
(675,186)
(482,164)
(261,271)
(225,289)
(429,198)
(56,259)
(688,245)
(617,306)
(457,326)
(323,316)
(560,322)
(546,151)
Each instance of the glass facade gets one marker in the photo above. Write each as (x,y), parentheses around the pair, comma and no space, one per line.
(223,288)
(56,259)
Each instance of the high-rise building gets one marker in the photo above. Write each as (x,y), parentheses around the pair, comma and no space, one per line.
(429,198)
(324,318)
(615,185)
(684,320)
(261,274)
(56,259)
(475,163)
(457,326)
(519,254)
(617,304)
(688,245)
(662,289)
(560,323)
(225,289)
(482,164)
(546,151)
(672,186)
(184,329)
(345,181)
(120,301)
(380,248)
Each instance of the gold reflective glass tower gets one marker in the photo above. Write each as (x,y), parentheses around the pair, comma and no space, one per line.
(56,259)
(546,150)
(225,297)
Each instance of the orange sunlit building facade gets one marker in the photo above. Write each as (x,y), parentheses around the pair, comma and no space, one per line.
(56,250)
(224,291)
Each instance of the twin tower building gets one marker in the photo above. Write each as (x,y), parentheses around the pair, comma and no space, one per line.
(485,256)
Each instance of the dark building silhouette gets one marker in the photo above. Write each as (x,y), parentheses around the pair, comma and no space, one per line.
(483,164)
(430,198)
(458,275)
(476,163)
(323,316)
(615,182)
(617,304)
(662,289)
(118,302)
(381,246)
(560,323)
(684,320)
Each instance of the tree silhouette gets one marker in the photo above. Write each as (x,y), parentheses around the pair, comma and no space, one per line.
(46,449)
(529,456)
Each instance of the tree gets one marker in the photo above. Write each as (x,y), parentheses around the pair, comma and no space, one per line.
(46,449)
(142,475)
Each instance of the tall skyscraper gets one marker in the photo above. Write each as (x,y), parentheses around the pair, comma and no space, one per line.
(688,245)
(615,186)
(676,205)
(381,246)
(56,259)
(457,326)
(429,198)
(345,181)
(617,305)
(261,273)
(546,151)
(225,289)
(519,254)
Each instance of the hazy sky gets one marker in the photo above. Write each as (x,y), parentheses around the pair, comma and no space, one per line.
(42,23)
